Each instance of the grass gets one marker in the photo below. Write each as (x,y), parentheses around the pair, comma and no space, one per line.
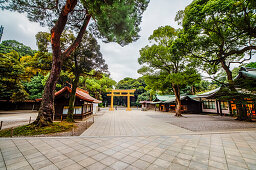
(31,130)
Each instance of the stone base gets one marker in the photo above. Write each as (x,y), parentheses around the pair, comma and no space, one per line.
(128,109)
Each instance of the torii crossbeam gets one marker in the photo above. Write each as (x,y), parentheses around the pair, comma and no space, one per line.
(117,92)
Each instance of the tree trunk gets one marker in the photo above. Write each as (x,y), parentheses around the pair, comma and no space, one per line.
(46,110)
(176,90)
(241,112)
(72,99)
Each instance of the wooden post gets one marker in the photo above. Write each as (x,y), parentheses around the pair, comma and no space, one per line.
(1,125)
(86,125)
(128,103)
(11,131)
(92,119)
(61,118)
(112,102)
(73,131)
(29,120)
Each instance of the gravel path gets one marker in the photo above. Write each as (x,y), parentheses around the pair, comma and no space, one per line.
(196,122)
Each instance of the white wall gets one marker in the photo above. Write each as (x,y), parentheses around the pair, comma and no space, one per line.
(95,107)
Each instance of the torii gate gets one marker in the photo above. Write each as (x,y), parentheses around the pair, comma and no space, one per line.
(121,93)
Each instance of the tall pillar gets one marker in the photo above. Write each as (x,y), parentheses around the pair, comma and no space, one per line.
(128,103)
(112,102)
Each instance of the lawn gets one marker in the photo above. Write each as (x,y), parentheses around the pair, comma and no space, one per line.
(31,130)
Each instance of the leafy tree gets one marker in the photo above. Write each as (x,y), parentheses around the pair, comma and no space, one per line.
(11,75)
(251,65)
(114,21)
(85,58)
(35,87)
(97,87)
(165,65)
(12,45)
(130,83)
(210,35)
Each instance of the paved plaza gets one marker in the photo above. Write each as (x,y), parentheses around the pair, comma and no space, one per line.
(134,144)
(133,123)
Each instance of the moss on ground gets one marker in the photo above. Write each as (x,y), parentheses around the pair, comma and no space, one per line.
(31,130)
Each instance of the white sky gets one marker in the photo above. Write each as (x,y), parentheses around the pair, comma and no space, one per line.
(122,61)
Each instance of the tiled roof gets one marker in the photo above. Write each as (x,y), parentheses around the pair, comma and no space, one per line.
(80,93)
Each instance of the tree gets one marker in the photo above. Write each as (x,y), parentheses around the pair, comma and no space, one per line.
(84,59)
(12,45)
(251,65)
(130,83)
(11,75)
(35,87)
(211,36)
(114,21)
(97,87)
(165,64)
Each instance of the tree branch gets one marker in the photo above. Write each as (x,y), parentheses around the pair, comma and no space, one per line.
(79,37)
(59,26)
(241,51)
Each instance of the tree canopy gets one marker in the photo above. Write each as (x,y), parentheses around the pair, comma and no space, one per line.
(165,65)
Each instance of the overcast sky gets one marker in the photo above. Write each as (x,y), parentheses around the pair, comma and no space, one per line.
(122,61)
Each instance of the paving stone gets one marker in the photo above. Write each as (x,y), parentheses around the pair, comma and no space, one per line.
(130,167)
(17,165)
(175,166)
(181,162)
(28,167)
(108,161)
(99,156)
(141,164)
(14,160)
(87,162)
(119,165)
(118,155)
(49,167)
(64,163)
(41,164)
(129,159)
(196,165)
(136,154)
(148,158)
(217,164)
(162,163)
(97,165)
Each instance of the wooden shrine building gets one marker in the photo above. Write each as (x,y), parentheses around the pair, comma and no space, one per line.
(83,104)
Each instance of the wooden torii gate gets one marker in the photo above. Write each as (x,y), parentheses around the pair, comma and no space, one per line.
(121,93)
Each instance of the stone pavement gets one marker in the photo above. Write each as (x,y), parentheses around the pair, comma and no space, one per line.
(207,151)
(132,140)
(133,123)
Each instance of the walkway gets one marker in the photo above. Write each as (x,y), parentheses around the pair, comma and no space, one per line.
(133,123)
(132,140)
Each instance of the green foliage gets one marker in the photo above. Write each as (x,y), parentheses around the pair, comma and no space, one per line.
(11,75)
(164,64)
(251,65)
(8,46)
(130,83)
(97,87)
(35,87)
(216,32)
(115,21)
(31,129)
